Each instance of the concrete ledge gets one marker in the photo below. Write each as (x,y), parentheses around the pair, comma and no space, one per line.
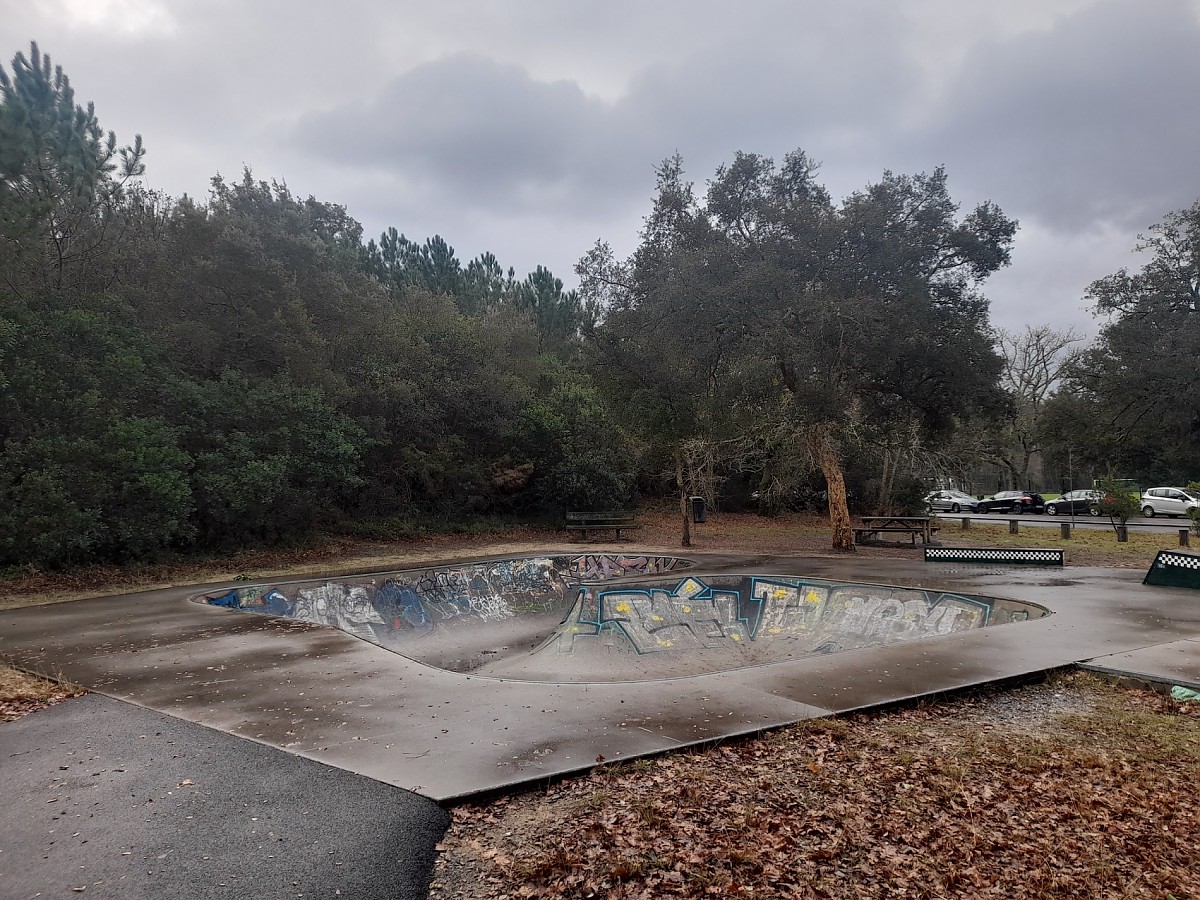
(1036,556)
(1139,680)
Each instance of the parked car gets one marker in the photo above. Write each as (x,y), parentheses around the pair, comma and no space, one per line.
(1168,501)
(1081,501)
(951,501)
(1013,501)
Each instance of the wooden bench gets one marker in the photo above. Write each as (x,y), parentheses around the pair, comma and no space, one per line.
(593,521)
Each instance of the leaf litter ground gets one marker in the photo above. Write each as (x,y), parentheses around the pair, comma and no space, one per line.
(1069,788)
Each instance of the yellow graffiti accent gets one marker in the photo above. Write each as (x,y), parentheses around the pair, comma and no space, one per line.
(622,607)
(736,637)
(656,618)
(687,608)
(779,594)
(775,629)
(812,596)
(663,643)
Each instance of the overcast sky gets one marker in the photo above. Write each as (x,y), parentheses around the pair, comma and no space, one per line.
(531,128)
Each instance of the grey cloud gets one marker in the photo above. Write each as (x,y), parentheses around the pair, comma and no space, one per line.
(1091,121)
(465,128)
(476,131)
(532,128)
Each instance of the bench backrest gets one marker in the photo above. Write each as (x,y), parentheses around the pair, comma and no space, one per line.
(600,518)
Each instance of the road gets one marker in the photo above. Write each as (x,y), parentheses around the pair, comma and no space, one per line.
(1159,524)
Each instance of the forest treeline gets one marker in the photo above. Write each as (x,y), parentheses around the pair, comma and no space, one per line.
(179,373)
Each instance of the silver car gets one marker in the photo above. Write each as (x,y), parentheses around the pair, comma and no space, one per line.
(951,501)
(1168,501)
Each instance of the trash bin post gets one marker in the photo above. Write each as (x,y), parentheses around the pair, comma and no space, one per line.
(697,509)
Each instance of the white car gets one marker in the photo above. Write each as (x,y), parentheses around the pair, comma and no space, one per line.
(1168,501)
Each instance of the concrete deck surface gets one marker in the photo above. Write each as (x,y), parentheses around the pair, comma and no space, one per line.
(1176,663)
(319,693)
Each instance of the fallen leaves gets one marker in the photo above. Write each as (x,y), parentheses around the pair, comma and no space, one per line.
(21,694)
(927,802)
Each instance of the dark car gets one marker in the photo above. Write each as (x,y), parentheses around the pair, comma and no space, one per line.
(1077,502)
(1013,501)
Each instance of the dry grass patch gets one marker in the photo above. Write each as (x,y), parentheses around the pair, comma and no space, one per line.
(21,693)
(1085,546)
(950,800)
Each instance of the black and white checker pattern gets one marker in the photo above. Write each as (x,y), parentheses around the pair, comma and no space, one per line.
(1025,555)
(1179,560)
(1174,569)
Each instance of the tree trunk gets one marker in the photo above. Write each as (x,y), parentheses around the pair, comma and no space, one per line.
(820,445)
(686,540)
(885,484)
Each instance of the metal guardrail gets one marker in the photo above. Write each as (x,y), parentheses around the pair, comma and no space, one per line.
(1174,569)
(1036,556)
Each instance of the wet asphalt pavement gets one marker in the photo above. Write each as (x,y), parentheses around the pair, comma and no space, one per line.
(105,799)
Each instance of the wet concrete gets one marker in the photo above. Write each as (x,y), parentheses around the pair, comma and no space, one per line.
(1176,663)
(320,693)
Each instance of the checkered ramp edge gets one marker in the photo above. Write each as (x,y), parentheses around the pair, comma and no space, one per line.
(1174,569)
(1037,556)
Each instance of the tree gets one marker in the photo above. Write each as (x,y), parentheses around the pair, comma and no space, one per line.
(658,353)
(581,458)
(1034,363)
(109,488)
(557,314)
(399,262)
(61,177)
(1140,381)
(772,303)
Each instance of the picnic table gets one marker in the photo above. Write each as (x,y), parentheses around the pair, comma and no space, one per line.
(914,526)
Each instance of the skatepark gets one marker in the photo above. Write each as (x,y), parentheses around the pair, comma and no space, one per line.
(470,678)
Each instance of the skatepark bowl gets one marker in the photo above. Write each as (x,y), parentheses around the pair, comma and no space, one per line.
(610,618)
(475,676)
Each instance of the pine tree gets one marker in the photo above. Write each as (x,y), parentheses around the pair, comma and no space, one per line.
(61,176)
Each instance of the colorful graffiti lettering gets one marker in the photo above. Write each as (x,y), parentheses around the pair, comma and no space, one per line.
(418,602)
(602,566)
(741,610)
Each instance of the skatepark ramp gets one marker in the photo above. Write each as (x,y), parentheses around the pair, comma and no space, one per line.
(664,628)
(456,616)
(606,617)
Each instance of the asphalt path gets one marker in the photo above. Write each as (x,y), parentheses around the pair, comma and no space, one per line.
(107,799)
